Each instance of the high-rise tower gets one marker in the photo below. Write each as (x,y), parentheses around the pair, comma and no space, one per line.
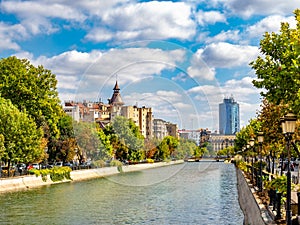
(229,116)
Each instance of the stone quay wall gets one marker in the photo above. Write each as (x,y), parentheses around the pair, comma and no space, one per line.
(31,181)
(254,212)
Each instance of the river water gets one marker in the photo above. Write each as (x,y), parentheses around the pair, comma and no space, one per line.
(191,193)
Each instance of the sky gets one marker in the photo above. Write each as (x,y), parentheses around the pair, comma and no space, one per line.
(181,58)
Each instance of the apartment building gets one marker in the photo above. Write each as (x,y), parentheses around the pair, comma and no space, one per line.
(142,117)
(162,129)
(104,113)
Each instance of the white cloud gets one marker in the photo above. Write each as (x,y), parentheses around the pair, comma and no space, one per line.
(210,17)
(247,112)
(269,24)
(69,63)
(147,20)
(248,8)
(79,71)
(29,9)
(99,35)
(198,69)
(36,16)
(230,35)
(9,34)
(167,105)
(98,8)
(225,55)
(242,90)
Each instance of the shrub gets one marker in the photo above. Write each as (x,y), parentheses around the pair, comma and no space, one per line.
(56,173)
(115,163)
(118,164)
(150,160)
(99,163)
(279,184)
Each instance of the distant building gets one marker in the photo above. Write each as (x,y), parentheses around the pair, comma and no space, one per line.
(162,129)
(229,117)
(103,113)
(219,141)
(172,129)
(142,117)
(159,129)
(72,110)
(115,102)
(199,136)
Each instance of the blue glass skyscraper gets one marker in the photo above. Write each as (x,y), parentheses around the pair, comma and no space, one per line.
(229,116)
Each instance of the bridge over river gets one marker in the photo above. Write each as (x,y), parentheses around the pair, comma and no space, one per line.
(202,192)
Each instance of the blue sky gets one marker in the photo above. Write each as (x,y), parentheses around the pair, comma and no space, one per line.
(179,57)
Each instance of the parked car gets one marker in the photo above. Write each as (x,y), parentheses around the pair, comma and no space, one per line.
(85,165)
(69,164)
(21,167)
(33,166)
(36,166)
(58,164)
(50,165)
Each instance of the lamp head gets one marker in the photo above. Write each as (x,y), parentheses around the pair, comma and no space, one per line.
(260,137)
(290,123)
(251,142)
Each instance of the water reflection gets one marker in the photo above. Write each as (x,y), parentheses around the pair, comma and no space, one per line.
(193,195)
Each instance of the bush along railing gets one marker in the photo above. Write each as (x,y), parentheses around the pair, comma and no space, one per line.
(118,164)
(56,173)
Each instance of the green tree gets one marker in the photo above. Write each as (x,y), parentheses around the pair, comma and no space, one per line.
(185,148)
(167,148)
(20,138)
(66,145)
(278,70)
(150,147)
(172,143)
(2,147)
(105,146)
(163,152)
(245,134)
(87,137)
(126,139)
(32,89)
(269,117)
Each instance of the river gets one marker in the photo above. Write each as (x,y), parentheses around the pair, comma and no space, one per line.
(191,193)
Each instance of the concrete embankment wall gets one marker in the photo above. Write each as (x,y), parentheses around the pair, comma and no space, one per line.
(31,181)
(248,203)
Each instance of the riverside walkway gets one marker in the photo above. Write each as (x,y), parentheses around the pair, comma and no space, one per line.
(32,181)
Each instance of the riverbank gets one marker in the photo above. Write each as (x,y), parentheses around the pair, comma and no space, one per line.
(255,213)
(31,181)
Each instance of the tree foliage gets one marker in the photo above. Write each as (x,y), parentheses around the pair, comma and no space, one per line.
(167,148)
(185,148)
(64,148)
(278,69)
(105,146)
(20,138)
(2,147)
(129,137)
(86,136)
(245,134)
(270,125)
(32,89)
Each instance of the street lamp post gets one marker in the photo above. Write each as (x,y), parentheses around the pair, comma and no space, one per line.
(251,143)
(288,124)
(260,138)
